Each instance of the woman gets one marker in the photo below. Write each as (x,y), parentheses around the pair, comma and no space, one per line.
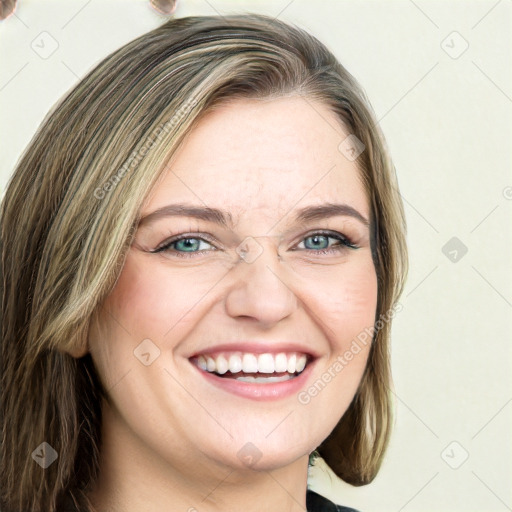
(202,251)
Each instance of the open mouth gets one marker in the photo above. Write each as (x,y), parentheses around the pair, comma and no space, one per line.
(253,368)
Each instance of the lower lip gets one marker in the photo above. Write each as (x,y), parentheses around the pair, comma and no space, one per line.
(259,391)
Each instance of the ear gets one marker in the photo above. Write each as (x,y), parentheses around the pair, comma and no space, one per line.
(78,345)
(166,7)
(7,8)
(78,350)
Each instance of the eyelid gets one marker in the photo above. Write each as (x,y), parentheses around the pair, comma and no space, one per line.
(205,237)
(330,234)
(199,236)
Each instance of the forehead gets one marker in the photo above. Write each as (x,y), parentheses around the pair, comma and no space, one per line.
(262,157)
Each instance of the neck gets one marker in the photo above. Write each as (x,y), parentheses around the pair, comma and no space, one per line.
(134,478)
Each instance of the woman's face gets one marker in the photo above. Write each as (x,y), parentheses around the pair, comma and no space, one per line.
(252,258)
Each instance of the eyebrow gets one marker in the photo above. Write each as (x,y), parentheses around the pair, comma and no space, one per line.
(184,210)
(216,216)
(322,211)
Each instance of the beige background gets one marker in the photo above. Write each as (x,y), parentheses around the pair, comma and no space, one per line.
(446,111)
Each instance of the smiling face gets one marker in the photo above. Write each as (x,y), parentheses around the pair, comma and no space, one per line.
(252,260)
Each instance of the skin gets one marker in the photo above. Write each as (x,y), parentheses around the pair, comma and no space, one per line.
(171,438)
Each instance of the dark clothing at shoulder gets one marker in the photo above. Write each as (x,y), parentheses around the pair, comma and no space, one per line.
(317,503)
(314,503)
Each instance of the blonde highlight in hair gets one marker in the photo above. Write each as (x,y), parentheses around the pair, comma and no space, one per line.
(71,209)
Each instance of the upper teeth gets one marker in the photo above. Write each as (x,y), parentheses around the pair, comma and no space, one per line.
(236,362)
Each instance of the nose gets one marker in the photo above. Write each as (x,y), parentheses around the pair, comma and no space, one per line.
(259,290)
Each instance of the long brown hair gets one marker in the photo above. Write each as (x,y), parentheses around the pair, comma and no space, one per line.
(71,208)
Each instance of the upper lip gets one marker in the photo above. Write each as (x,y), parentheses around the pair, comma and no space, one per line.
(257,347)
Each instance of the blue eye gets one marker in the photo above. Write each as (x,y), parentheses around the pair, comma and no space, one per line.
(184,245)
(315,243)
(325,243)
(188,244)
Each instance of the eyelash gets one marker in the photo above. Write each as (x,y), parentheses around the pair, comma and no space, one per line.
(344,243)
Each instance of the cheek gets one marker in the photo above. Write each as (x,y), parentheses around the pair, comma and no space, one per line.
(342,299)
(357,301)
(344,303)
(151,298)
